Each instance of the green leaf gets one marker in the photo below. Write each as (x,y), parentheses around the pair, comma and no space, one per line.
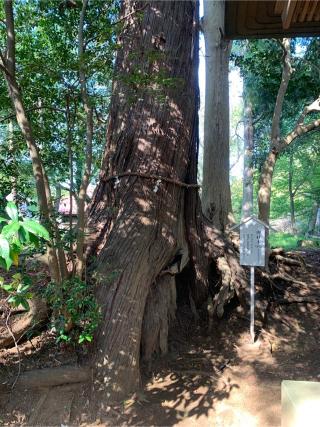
(25,304)
(5,251)
(12,211)
(22,288)
(3,219)
(8,288)
(10,229)
(24,236)
(35,228)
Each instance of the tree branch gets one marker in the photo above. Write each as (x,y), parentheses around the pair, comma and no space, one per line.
(301,128)
(11,49)
(29,110)
(299,131)
(286,74)
(314,106)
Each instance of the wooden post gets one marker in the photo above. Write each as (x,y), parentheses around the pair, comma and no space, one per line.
(252,303)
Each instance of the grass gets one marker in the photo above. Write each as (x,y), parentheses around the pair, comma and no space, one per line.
(289,241)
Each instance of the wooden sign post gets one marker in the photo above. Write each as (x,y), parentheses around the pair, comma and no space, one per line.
(252,253)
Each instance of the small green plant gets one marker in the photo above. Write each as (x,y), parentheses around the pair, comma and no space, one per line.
(18,290)
(16,234)
(79,313)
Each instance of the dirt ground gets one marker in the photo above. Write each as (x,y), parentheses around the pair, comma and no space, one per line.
(211,378)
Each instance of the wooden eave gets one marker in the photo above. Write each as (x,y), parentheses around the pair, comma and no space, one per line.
(271,18)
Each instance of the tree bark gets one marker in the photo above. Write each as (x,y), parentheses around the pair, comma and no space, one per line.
(313,218)
(265,186)
(13,177)
(291,195)
(138,222)
(247,198)
(216,195)
(89,137)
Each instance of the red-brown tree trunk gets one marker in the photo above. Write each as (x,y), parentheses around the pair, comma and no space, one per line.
(142,220)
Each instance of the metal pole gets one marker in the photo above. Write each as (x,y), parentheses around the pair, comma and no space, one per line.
(252,303)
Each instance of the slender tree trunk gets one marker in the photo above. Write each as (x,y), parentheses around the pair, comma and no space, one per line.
(89,138)
(13,177)
(216,195)
(291,195)
(8,66)
(247,198)
(57,197)
(71,189)
(313,218)
(139,212)
(265,185)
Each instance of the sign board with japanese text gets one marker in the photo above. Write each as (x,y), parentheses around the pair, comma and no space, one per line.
(252,243)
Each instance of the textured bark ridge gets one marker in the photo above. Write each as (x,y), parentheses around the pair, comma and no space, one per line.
(139,224)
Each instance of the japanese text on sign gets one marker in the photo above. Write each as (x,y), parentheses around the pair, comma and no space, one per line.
(252,243)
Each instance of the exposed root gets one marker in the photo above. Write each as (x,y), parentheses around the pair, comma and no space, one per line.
(287,260)
(225,292)
(159,312)
(233,278)
(298,300)
(16,346)
(20,324)
(51,377)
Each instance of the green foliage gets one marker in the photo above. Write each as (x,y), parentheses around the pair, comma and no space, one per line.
(76,306)
(236,191)
(48,74)
(16,234)
(261,68)
(289,241)
(18,290)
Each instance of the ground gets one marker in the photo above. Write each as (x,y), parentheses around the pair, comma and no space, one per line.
(210,378)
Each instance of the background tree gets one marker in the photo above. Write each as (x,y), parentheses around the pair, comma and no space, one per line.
(216,196)
(262,72)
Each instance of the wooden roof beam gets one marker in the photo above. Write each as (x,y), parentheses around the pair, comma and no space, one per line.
(312,10)
(303,14)
(287,13)
(279,7)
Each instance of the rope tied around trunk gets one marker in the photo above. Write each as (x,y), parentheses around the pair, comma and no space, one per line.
(157,178)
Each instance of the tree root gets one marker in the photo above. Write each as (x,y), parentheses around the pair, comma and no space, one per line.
(233,278)
(159,312)
(51,377)
(16,346)
(297,300)
(20,324)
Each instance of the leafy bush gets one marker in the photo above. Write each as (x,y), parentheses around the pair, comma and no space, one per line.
(17,234)
(77,310)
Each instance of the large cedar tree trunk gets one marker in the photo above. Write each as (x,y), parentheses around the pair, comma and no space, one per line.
(138,221)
